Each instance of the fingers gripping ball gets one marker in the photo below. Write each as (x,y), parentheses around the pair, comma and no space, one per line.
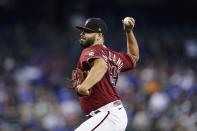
(126,20)
(128,23)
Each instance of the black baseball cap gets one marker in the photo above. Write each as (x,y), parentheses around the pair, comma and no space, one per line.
(96,25)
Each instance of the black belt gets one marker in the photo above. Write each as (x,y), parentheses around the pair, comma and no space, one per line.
(96,112)
(116,103)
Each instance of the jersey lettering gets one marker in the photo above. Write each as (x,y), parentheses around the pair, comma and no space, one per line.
(119,63)
(114,74)
(115,65)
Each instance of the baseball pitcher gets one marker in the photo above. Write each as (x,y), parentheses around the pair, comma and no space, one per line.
(94,80)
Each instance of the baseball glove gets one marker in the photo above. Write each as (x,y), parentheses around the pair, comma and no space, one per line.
(78,77)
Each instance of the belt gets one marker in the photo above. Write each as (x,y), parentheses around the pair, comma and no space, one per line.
(92,113)
(107,107)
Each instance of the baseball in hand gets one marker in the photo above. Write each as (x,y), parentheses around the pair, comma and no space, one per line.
(128,23)
(126,20)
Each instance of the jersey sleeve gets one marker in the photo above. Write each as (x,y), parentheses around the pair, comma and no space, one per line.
(128,61)
(89,55)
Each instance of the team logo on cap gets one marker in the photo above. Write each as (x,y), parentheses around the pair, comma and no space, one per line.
(87,22)
(99,29)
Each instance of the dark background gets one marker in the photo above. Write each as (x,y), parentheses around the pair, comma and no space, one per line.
(149,12)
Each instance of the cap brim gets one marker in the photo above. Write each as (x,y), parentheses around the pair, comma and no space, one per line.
(85,29)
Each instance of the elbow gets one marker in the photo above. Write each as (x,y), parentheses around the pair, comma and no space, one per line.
(136,58)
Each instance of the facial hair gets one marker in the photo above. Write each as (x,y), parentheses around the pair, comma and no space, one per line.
(86,42)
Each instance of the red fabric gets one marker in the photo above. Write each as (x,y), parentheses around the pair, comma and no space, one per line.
(104,91)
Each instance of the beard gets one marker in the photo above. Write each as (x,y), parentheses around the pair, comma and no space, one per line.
(86,42)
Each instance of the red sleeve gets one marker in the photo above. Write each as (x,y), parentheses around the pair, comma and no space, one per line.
(128,61)
(89,55)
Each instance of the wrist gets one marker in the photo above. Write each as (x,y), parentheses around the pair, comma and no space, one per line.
(129,31)
(82,90)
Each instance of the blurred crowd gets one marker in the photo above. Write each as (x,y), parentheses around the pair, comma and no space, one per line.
(36,63)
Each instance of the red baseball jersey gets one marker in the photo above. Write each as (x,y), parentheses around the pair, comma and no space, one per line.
(104,91)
